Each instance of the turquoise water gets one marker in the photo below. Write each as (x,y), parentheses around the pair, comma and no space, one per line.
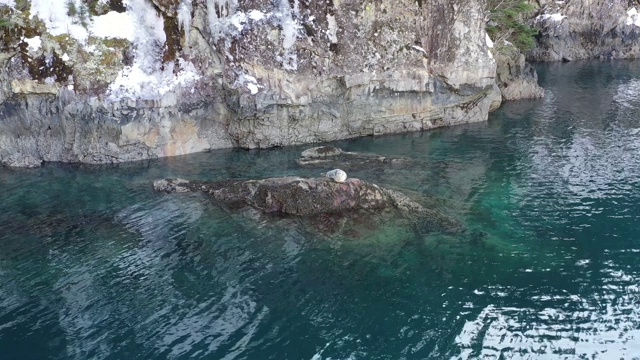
(94,265)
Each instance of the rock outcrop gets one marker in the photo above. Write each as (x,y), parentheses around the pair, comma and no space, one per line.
(515,78)
(181,76)
(579,29)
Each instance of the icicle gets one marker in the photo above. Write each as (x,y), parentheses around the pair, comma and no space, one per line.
(184,18)
(289,35)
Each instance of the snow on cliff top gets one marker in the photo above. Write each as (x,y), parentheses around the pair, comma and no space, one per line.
(147,78)
(9,3)
(56,16)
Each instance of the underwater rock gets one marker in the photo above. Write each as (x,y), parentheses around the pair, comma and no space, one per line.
(325,156)
(313,196)
(287,195)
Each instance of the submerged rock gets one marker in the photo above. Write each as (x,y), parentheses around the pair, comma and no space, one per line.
(287,195)
(312,196)
(324,156)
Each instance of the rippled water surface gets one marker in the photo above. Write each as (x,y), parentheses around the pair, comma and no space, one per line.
(94,265)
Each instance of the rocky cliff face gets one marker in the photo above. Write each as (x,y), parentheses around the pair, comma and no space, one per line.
(117,80)
(580,29)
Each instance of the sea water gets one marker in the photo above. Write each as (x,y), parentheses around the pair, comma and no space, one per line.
(95,265)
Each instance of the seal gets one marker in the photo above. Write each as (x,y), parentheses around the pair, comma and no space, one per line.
(336,175)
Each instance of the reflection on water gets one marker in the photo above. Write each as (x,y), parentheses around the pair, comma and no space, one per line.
(93,264)
(601,322)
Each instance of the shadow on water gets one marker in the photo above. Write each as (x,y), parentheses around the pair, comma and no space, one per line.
(94,264)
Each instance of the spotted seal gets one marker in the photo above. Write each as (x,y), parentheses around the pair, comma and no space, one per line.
(337,175)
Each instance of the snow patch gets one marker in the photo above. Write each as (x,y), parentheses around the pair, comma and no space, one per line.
(256,15)
(148,78)
(552,17)
(134,82)
(226,9)
(92,49)
(332,29)
(230,22)
(65,57)
(633,18)
(113,25)
(34,43)
(488,41)
(9,3)
(253,88)
(250,82)
(55,16)
(238,20)
(419,48)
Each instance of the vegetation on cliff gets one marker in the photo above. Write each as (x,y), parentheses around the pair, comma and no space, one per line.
(507,22)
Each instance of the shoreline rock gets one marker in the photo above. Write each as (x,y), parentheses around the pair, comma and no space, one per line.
(515,77)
